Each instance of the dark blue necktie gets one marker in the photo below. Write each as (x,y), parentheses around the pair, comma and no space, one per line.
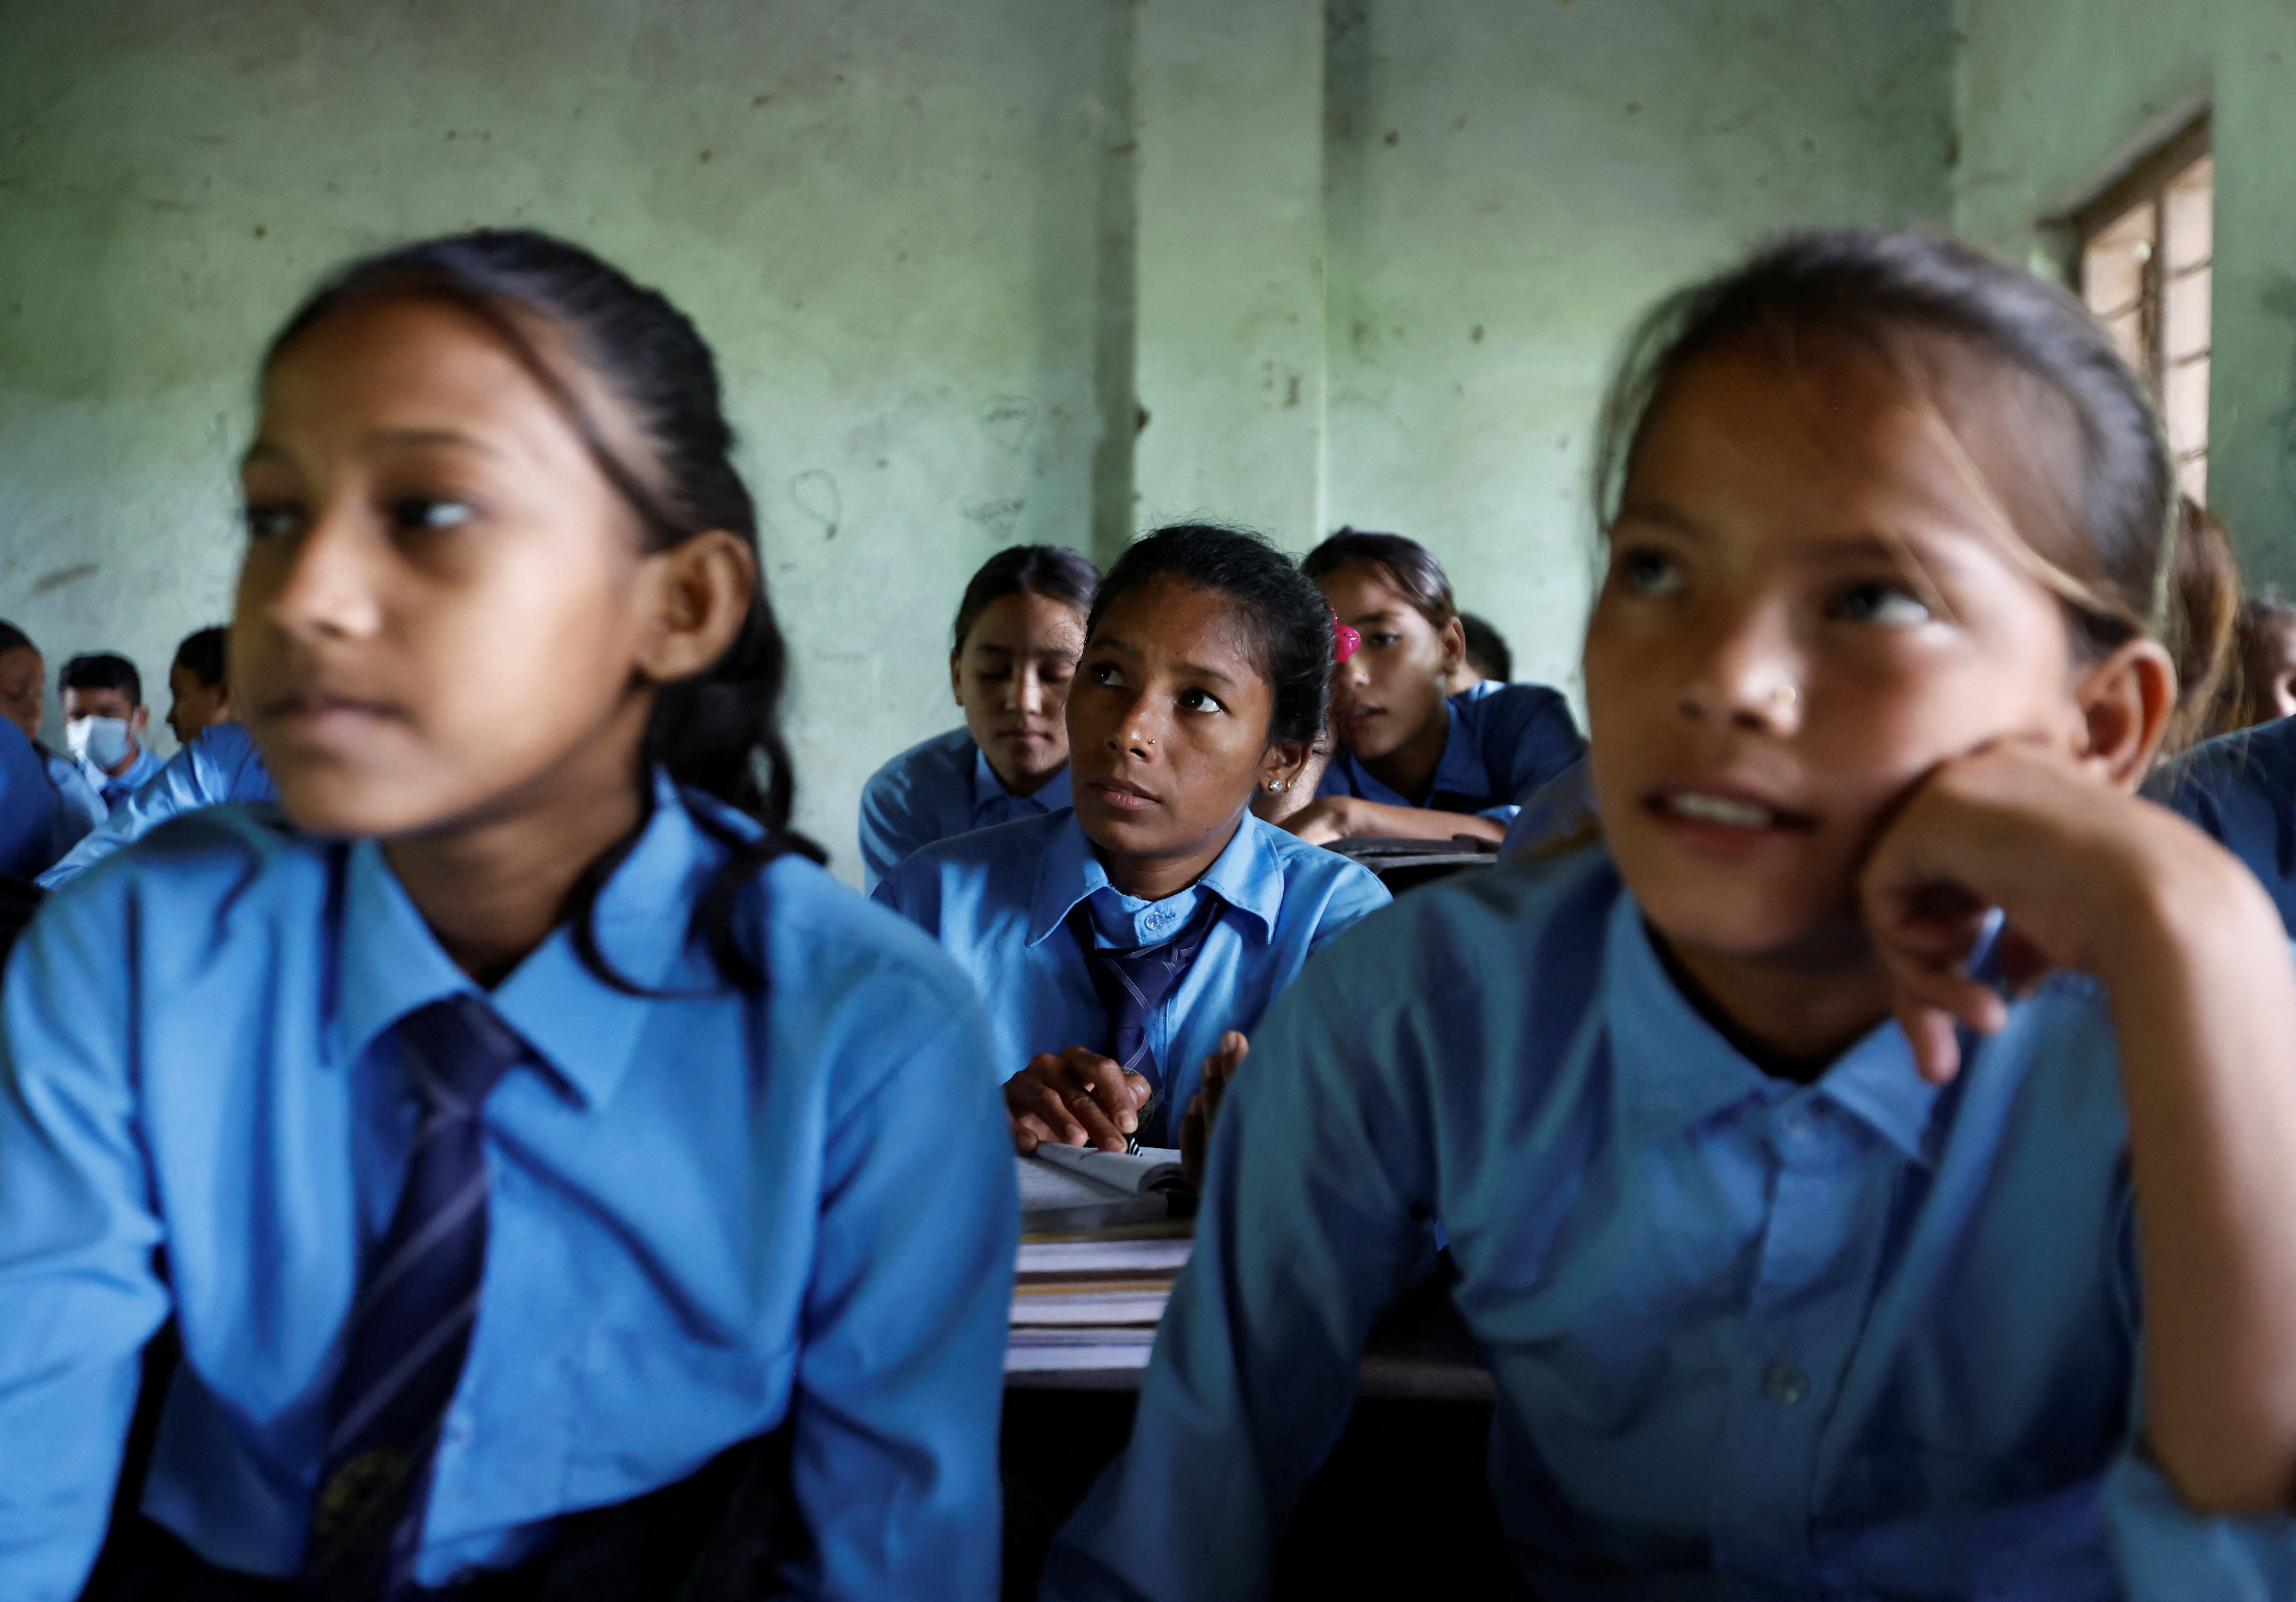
(1131,983)
(410,1329)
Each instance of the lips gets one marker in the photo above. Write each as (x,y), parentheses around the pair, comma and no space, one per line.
(1120,796)
(1725,819)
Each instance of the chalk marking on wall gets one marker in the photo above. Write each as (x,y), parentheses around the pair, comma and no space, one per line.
(814,490)
(1010,420)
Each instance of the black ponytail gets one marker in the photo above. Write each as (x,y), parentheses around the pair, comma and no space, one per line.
(718,733)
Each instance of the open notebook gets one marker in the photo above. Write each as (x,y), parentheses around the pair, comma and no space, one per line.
(1066,1188)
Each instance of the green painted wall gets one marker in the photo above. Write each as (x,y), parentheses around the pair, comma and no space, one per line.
(943,248)
(2051,92)
(1510,184)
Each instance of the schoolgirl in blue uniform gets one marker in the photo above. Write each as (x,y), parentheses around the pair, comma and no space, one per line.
(1121,945)
(1413,760)
(1012,652)
(1870,1172)
(2240,787)
(514,1121)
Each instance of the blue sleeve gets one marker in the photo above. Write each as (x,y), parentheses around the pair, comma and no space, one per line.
(889,835)
(220,765)
(28,807)
(2168,1553)
(900,1386)
(1307,1233)
(79,1295)
(1355,898)
(1529,741)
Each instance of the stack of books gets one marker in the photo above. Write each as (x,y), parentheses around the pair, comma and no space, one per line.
(1103,1237)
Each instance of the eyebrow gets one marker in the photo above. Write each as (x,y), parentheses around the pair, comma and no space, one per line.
(1111,643)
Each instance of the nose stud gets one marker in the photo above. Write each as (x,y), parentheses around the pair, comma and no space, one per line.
(1785,696)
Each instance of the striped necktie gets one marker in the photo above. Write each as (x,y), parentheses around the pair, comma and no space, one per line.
(1131,982)
(410,1329)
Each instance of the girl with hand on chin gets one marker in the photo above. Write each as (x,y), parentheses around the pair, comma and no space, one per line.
(1414,760)
(1120,945)
(519,1127)
(1015,647)
(1871,1169)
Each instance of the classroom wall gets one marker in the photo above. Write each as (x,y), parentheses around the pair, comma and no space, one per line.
(1511,185)
(2051,93)
(977,272)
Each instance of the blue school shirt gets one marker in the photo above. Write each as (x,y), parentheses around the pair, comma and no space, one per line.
(941,787)
(1506,740)
(999,903)
(709,1211)
(221,764)
(115,790)
(2240,787)
(1751,1338)
(27,806)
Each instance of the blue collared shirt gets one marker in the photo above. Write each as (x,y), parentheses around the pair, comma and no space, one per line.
(2240,787)
(221,764)
(116,788)
(28,806)
(709,1211)
(1506,740)
(940,787)
(1751,1338)
(999,903)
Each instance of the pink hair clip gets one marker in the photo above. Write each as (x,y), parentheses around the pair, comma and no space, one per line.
(1345,641)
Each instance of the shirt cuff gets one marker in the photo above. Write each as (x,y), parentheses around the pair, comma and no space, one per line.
(2168,1553)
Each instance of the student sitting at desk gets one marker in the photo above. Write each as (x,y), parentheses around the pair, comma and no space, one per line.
(528,1142)
(1117,944)
(1414,760)
(104,717)
(77,806)
(1011,656)
(1827,1235)
(220,763)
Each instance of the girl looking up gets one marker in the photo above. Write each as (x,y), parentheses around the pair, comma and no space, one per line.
(1414,760)
(527,1123)
(1872,1170)
(1014,650)
(1120,945)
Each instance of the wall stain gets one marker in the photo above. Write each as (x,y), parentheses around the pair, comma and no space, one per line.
(62,576)
(814,490)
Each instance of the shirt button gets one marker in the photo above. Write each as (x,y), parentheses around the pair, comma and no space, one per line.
(1785,1384)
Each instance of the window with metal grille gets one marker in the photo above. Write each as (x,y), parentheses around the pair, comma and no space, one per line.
(2146,243)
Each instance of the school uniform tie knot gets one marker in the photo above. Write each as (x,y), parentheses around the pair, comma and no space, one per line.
(1131,984)
(410,1328)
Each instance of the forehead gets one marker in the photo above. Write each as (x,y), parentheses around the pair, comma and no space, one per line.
(399,365)
(1168,616)
(105,695)
(1359,589)
(1836,436)
(1025,621)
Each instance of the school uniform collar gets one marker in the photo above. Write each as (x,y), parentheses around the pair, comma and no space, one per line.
(1675,1070)
(1458,771)
(1050,796)
(583,1031)
(1246,875)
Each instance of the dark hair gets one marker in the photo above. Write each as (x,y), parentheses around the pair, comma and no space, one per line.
(1869,287)
(101,670)
(2259,617)
(1486,649)
(203,652)
(1407,567)
(1290,625)
(2203,623)
(12,638)
(718,733)
(1052,570)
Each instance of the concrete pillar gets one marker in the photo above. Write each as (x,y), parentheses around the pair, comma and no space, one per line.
(1228,334)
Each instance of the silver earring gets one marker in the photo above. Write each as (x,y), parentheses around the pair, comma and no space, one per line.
(1278,786)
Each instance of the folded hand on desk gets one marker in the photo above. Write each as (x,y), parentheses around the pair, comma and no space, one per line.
(1074,1098)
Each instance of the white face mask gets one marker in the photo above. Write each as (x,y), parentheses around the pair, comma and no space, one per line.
(102,741)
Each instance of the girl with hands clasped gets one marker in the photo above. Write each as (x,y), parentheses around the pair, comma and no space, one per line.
(1119,944)
(1871,1169)
(1412,758)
